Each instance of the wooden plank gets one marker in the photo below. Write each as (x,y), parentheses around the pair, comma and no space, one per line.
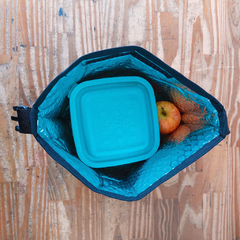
(39,199)
(167,219)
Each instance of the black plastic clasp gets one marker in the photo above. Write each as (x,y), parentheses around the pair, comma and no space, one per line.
(23,119)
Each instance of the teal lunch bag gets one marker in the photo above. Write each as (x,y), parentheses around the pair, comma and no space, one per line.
(203,126)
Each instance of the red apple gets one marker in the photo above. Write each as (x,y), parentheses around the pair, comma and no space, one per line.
(169,117)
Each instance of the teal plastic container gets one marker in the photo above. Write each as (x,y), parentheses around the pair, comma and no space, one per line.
(114,121)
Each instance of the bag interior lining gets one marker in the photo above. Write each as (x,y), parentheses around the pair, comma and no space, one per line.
(201,120)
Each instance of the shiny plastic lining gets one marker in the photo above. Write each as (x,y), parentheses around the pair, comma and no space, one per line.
(200,125)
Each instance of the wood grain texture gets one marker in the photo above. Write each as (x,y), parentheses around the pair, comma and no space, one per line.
(39,199)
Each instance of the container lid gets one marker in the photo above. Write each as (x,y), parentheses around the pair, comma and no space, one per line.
(114,121)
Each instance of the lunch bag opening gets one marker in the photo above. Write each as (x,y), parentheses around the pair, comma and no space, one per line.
(199,126)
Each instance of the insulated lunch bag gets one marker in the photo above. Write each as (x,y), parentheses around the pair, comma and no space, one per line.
(203,124)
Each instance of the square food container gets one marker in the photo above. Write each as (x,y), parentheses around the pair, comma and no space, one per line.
(114,121)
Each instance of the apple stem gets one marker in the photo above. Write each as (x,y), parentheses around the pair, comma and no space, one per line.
(164,112)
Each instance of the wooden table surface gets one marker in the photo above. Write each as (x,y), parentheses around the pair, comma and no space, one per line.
(39,199)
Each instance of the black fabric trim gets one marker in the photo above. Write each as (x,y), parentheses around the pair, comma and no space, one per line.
(157,64)
(75,173)
(153,62)
(179,168)
(224,130)
(34,119)
(99,55)
(23,119)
